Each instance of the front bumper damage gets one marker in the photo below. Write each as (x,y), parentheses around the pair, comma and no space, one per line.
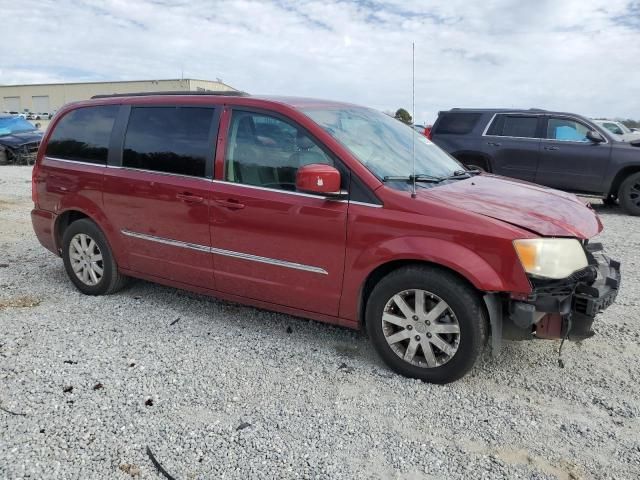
(557,308)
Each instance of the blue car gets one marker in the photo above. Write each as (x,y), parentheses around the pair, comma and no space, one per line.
(19,141)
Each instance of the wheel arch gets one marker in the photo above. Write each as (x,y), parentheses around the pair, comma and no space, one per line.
(466,156)
(63,220)
(385,269)
(66,217)
(620,176)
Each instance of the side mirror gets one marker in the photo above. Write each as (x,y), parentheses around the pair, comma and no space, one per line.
(319,179)
(595,137)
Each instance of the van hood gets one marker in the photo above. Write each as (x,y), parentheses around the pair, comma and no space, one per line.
(542,210)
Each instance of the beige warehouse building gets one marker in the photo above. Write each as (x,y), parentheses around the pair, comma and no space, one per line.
(47,98)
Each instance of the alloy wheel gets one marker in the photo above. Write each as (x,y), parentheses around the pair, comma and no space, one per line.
(86,259)
(421,328)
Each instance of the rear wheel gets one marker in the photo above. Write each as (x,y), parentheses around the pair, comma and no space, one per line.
(629,194)
(426,323)
(88,259)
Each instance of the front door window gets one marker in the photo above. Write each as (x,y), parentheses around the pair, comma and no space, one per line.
(567,130)
(265,151)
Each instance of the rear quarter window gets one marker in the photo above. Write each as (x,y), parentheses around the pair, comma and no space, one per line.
(457,123)
(83,134)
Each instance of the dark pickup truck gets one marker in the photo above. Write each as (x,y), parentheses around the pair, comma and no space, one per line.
(559,150)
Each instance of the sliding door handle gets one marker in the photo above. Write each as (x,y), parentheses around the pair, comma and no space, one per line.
(230,204)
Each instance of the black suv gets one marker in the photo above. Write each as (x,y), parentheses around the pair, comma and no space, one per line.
(559,150)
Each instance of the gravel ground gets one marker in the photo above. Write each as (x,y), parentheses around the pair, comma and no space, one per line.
(218,390)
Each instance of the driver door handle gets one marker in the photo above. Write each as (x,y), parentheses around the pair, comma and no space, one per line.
(494,144)
(230,204)
(551,148)
(187,197)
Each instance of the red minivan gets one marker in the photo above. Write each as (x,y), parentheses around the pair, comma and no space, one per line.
(320,209)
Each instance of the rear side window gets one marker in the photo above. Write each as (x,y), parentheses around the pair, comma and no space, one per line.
(169,139)
(457,123)
(514,126)
(83,134)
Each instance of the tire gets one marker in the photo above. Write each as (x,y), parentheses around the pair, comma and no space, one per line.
(97,258)
(629,194)
(465,309)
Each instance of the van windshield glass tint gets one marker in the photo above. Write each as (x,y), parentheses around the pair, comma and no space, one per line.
(383,144)
(169,139)
(83,134)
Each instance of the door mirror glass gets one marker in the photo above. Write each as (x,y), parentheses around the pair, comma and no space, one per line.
(320,179)
(595,137)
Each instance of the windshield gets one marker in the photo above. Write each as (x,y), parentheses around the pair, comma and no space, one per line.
(383,144)
(624,128)
(9,125)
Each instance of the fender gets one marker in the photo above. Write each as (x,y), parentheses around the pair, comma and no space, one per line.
(80,203)
(463,260)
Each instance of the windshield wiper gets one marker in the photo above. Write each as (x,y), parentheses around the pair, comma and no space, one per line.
(410,178)
(457,175)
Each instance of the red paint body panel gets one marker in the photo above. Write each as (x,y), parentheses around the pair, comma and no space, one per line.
(161,205)
(300,229)
(545,211)
(326,249)
(43,223)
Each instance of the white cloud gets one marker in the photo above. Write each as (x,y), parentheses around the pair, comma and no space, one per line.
(572,55)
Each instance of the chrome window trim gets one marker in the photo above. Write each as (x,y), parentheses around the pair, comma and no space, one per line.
(364,204)
(158,172)
(300,194)
(545,114)
(209,180)
(76,162)
(267,189)
(226,253)
(486,129)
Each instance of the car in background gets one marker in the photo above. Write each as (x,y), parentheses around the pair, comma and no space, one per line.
(422,129)
(619,129)
(19,140)
(556,149)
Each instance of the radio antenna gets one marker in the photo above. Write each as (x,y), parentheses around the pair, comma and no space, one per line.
(413,117)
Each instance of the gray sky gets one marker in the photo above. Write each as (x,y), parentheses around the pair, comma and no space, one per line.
(574,55)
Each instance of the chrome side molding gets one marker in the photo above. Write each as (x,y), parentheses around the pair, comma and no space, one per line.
(226,253)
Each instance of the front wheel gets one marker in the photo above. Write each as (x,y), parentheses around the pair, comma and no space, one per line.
(88,259)
(426,323)
(629,195)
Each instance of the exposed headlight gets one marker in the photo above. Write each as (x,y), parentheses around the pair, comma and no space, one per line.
(551,257)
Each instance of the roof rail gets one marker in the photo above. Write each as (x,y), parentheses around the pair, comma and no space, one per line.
(235,93)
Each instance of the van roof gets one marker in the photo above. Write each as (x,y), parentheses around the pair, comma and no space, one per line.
(222,97)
